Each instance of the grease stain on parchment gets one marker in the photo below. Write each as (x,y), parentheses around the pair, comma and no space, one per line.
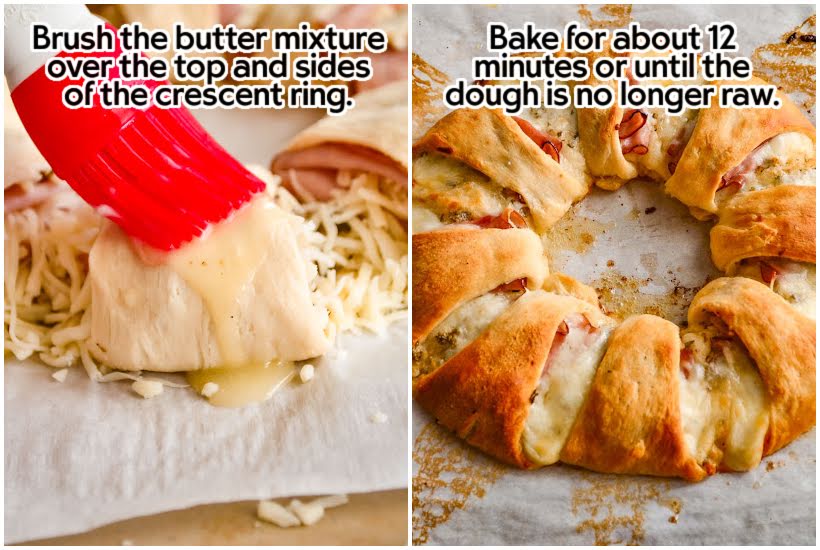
(613,509)
(428,90)
(448,477)
(608,16)
(789,63)
(572,232)
(622,295)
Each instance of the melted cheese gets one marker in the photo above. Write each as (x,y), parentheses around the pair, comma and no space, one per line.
(562,390)
(454,191)
(562,124)
(796,285)
(785,159)
(667,130)
(724,406)
(425,219)
(696,413)
(749,416)
(795,282)
(460,328)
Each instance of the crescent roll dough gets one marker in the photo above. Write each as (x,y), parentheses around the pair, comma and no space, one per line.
(781,344)
(631,420)
(371,138)
(451,266)
(722,139)
(778,221)
(493,145)
(598,129)
(483,394)
(148,315)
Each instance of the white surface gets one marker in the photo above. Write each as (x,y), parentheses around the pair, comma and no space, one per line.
(559,505)
(79,454)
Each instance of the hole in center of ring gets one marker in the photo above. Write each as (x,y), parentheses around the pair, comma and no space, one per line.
(637,247)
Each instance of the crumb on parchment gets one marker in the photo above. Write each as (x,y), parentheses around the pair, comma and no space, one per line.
(147,388)
(60,375)
(378,417)
(306,373)
(297,513)
(209,389)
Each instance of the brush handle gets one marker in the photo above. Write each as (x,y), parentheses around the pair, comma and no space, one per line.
(19,59)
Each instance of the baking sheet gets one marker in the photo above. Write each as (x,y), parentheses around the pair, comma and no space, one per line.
(79,454)
(644,254)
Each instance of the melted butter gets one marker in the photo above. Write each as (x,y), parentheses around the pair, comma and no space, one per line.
(240,386)
(219,265)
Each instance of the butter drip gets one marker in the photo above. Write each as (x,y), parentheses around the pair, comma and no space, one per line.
(219,265)
(239,386)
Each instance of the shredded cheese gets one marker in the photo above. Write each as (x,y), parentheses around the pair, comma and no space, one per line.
(306,373)
(355,244)
(275,513)
(47,295)
(209,389)
(358,242)
(147,388)
(378,417)
(297,512)
(308,514)
(60,375)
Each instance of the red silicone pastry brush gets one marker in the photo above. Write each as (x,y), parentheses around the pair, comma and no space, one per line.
(155,172)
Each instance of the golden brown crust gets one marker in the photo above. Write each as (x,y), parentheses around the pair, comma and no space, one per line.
(483,393)
(722,139)
(775,222)
(631,420)
(598,129)
(451,266)
(560,283)
(780,341)
(492,143)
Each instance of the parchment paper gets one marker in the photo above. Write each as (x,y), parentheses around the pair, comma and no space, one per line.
(80,454)
(644,254)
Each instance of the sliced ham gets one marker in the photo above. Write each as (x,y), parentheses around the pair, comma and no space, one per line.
(229,13)
(315,168)
(676,148)
(634,132)
(388,66)
(508,219)
(517,285)
(736,177)
(768,273)
(19,197)
(687,362)
(551,145)
(370,138)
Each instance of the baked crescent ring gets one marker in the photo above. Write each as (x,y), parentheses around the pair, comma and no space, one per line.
(525,365)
